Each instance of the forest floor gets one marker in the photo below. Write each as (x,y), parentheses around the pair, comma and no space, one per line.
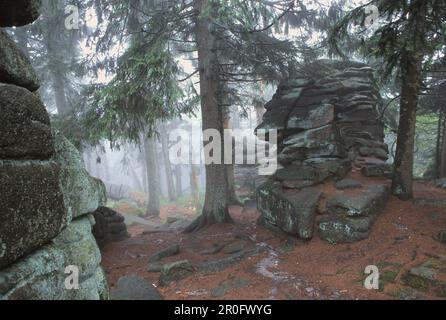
(402,237)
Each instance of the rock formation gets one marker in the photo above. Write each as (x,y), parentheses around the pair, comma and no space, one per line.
(328,123)
(46,195)
(109,227)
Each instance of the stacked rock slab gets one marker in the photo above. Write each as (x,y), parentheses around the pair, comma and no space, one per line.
(46,220)
(327,121)
(109,227)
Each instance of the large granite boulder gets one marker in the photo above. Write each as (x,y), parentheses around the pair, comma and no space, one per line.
(368,202)
(82,193)
(32,210)
(15,67)
(326,94)
(327,117)
(41,189)
(16,13)
(25,132)
(41,275)
(292,212)
(351,216)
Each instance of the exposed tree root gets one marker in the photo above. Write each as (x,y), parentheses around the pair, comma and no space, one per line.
(204,221)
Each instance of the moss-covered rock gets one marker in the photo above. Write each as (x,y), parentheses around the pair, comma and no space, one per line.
(431,274)
(82,193)
(175,271)
(15,67)
(32,209)
(420,278)
(342,229)
(41,275)
(16,13)
(25,132)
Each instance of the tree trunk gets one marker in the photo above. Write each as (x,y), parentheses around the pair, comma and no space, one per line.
(411,70)
(260,110)
(57,78)
(105,165)
(167,165)
(178,181)
(215,209)
(442,171)
(230,177)
(153,204)
(59,91)
(194,177)
(438,145)
(136,179)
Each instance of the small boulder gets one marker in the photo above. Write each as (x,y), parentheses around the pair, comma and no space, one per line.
(135,288)
(176,271)
(342,229)
(227,285)
(441,183)
(420,278)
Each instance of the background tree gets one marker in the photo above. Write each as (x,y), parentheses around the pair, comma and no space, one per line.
(409,32)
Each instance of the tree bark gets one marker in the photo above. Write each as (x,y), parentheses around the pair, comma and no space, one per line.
(260,110)
(215,208)
(178,181)
(442,171)
(153,203)
(233,199)
(167,165)
(411,70)
(57,78)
